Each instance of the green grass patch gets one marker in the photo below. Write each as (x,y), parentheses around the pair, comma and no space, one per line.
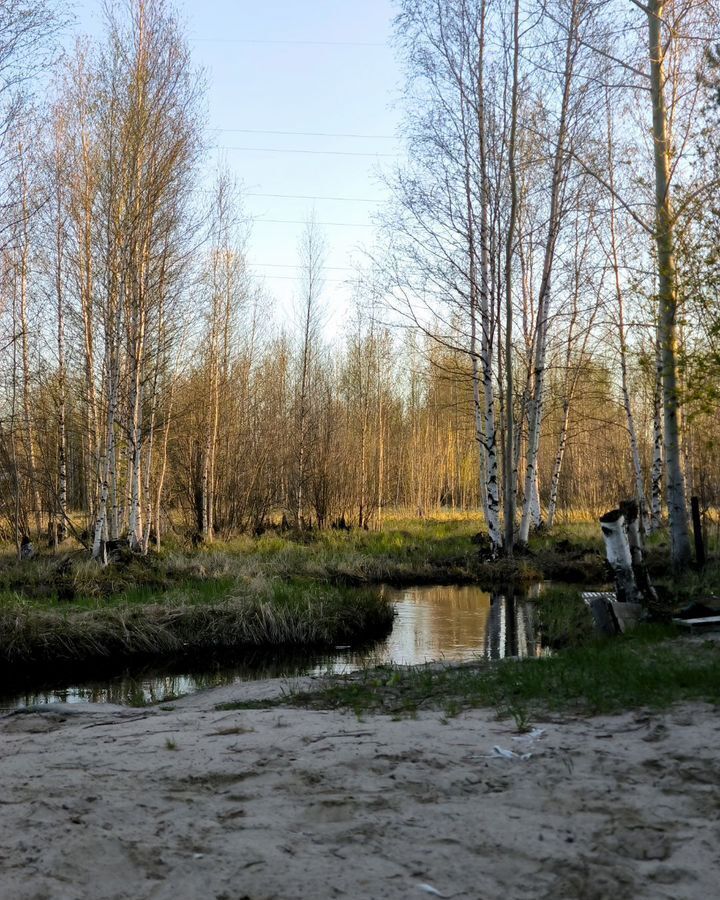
(563,618)
(404,552)
(644,669)
(294,614)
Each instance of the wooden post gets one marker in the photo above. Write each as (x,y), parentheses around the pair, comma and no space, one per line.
(697,531)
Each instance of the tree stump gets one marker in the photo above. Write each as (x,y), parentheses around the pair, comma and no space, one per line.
(619,556)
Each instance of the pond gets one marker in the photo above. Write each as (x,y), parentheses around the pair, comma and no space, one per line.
(433,623)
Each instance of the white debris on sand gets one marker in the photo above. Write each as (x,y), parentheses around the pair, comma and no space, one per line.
(291,804)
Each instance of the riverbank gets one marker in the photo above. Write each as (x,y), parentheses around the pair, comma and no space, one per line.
(443,550)
(404,552)
(279,589)
(284,803)
(269,615)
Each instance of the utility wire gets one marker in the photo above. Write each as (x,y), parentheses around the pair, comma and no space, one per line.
(301,43)
(310,197)
(304,222)
(311,152)
(296,266)
(294,278)
(332,134)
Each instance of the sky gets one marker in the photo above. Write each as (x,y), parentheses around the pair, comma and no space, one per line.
(324,70)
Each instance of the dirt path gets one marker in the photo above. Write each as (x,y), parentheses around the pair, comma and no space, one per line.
(286,804)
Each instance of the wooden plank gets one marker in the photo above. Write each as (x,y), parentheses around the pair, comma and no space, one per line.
(709,622)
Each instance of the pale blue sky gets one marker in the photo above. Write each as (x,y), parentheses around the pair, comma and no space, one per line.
(263,78)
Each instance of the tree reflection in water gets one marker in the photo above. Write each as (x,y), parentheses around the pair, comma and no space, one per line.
(448,622)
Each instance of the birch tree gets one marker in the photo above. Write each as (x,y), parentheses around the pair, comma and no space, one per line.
(309,317)
(560,165)
(667,286)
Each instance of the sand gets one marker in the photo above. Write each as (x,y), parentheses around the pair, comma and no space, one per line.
(104,802)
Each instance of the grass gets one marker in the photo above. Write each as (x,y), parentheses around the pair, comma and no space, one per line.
(562,618)
(405,551)
(284,589)
(649,668)
(272,614)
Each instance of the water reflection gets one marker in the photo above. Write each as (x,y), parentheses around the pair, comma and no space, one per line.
(449,622)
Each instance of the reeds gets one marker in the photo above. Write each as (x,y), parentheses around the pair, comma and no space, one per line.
(282,615)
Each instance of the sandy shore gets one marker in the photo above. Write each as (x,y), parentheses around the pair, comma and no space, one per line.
(286,804)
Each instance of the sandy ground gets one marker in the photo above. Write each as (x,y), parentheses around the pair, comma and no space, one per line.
(289,804)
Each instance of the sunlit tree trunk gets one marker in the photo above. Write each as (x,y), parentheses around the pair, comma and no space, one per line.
(491,494)
(531,504)
(23,256)
(60,531)
(667,293)
(312,261)
(622,335)
(657,456)
(510,474)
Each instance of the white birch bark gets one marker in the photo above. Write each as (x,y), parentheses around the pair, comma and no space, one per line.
(667,291)
(492,480)
(136,430)
(101,524)
(558,462)
(531,502)
(617,547)
(23,251)
(510,469)
(622,337)
(61,526)
(657,463)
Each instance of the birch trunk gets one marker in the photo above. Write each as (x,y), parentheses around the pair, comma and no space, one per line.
(151,430)
(558,463)
(101,524)
(617,547)
(531,505)
(667,291)
(163,465)
(487,315)
(61,527)
(29,428)
(136,437)
(480,413)
(627,405)
(657,463)
(510,471)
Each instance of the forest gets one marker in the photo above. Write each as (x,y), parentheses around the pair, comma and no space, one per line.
(534,333)
(424,604)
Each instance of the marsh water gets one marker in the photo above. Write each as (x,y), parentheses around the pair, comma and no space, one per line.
(432,623)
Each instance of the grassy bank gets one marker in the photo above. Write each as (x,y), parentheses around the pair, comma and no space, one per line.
(650,668)
(405,551)
(275,614)
(279,589)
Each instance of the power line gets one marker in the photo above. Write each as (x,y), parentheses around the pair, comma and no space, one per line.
(295,278)
(216,40)
(296,266)
(332,134)
(310,197)
(311,152)
(304,222)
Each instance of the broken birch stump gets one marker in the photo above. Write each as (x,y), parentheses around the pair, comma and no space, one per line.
(617,548)
(616,613)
